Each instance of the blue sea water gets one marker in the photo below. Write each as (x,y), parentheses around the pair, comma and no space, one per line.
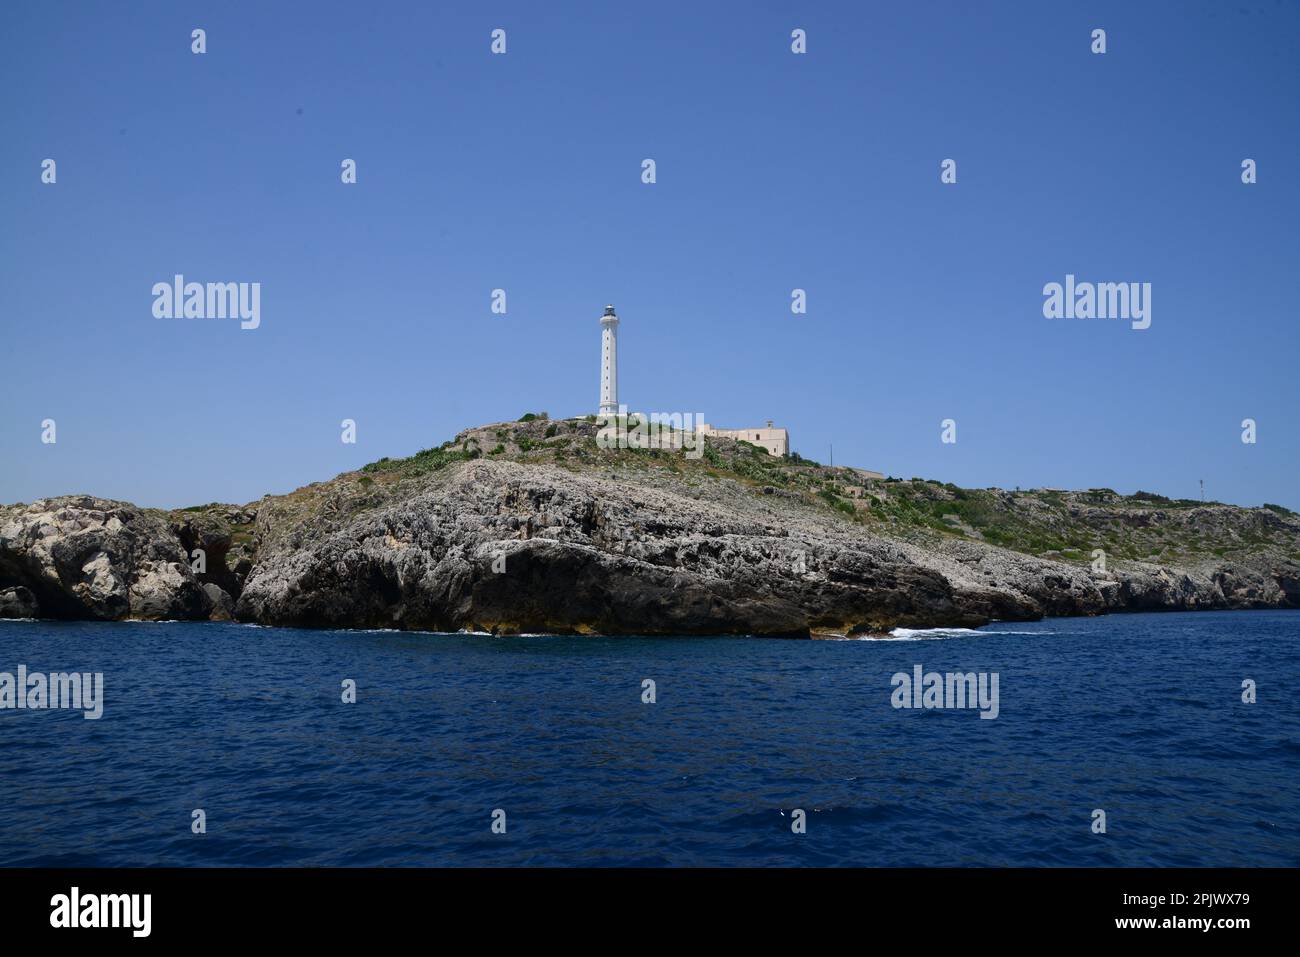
(1138,715)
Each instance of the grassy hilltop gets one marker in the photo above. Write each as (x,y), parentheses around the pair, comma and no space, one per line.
(1062,525)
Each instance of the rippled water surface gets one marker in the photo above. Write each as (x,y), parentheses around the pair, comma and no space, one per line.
(1139,715)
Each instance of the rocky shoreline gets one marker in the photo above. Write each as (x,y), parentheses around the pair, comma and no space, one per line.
(508,530)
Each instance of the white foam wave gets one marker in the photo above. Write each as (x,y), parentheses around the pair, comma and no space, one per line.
(933,634)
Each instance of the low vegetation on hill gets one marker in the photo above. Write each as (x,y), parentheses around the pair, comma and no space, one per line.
(1064,525)
(533,526)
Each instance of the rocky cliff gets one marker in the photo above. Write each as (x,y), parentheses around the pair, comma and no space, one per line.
(530,527)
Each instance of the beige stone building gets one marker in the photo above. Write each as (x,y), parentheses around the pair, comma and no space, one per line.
(776,441)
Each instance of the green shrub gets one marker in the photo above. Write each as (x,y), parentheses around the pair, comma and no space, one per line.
(834,501)
(428,460)
(1142,496)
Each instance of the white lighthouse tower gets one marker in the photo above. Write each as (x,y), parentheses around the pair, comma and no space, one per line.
(609,362)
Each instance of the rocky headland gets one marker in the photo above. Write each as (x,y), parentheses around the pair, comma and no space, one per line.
(530,527)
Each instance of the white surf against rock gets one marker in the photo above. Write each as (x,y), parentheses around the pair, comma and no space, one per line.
(931,634)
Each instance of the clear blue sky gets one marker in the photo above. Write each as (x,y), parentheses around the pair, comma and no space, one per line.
(775,171)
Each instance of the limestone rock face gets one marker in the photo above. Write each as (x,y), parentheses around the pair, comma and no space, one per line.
(509,547)
(1058,588)
(18,602)
(84,557)
(495,544)
(221,604)
(504,547)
